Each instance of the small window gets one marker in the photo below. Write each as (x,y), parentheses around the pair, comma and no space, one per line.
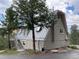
(65,39)
(38,29)
(23,43)
(61,30)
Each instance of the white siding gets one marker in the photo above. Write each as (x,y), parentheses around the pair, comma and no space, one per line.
(59,38)
(29,44)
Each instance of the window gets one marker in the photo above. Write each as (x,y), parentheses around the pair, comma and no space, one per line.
(23,43)
(61,30)
(38,29)
(65,39)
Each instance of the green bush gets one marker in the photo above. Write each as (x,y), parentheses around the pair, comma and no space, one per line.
(9,52)
(73,47)
(3,43)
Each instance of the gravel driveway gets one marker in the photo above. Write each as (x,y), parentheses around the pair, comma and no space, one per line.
(67,55)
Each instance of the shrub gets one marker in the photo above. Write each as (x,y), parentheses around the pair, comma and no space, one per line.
(73,47)
(3,43)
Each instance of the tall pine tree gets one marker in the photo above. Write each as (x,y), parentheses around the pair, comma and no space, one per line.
(34,13)
(10,23)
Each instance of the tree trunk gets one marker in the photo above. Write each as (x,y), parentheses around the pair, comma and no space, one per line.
(33,31)
(33,36)
(52,29)
(9,44)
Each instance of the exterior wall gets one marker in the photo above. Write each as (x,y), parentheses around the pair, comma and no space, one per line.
(59,38)
(29,44)
(48,43)
(40,45)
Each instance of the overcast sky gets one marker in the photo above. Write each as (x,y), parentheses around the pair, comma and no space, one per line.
(70,7)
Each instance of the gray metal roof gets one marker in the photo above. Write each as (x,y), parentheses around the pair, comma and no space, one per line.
(42,34)
(38,35)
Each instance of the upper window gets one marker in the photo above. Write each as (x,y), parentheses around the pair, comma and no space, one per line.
(61,30)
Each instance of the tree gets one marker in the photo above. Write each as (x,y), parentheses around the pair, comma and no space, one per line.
(74,36)
(10,23)
(3,43)
(33,13)
(3,32)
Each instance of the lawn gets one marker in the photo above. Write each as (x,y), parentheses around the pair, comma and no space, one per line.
(9,52)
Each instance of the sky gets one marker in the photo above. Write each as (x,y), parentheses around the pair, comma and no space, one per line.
(4,4)
(69,7)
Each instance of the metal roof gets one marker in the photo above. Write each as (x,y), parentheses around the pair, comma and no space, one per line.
(42,34)
(38,35)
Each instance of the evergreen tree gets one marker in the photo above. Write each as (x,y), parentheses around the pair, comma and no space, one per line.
(10,23)
(74,36)
(34,13)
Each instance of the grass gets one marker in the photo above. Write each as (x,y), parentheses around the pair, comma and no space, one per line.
(29,52)
(15,52)
(9,52)
(32,52)
(72,47)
